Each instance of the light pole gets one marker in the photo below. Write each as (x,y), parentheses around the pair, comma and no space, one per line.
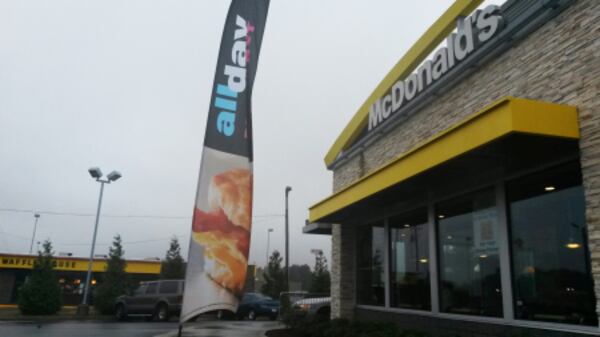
(287,239)
(269,231)
(317,252)
(96,173)
(36,216)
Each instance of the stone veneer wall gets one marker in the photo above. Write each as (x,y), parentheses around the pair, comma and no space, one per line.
(559,62)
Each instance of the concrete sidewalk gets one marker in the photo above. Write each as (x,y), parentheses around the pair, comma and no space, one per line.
(226,329)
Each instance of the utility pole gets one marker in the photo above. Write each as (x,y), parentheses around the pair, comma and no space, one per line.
(287,239)
(37,216)
(268,244)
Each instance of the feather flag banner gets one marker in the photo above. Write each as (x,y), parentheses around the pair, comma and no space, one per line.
(222,218)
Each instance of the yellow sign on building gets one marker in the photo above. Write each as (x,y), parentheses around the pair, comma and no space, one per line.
(17,261)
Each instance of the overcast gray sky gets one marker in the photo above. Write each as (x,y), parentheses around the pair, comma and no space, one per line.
(126,85)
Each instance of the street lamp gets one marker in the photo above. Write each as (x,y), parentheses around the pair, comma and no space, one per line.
(269,231)
(36,216)
(287,239)
(96,173)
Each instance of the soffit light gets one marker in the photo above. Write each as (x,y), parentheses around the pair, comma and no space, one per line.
(571,243)
(549,188)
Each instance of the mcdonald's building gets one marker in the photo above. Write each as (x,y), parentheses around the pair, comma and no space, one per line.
(466,197)
(71,273)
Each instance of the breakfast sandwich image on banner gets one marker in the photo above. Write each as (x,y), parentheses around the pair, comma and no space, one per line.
(220,240)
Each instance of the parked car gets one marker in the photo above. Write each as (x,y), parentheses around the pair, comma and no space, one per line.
(254,305)
(156,299)
(317,306)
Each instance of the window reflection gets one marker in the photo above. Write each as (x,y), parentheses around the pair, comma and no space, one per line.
(370,272)
(409,261)
(551,269)
(468,249)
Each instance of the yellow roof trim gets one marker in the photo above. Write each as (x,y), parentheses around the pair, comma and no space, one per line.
(505,116)
(415,55)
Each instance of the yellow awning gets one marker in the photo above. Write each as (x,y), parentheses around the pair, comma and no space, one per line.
(506,116)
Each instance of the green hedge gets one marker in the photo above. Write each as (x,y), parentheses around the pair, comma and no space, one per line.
(302,325)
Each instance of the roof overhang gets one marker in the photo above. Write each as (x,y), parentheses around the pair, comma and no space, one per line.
(317,228)
(507,116)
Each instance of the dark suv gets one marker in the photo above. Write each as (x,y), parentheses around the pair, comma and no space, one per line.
(156,299)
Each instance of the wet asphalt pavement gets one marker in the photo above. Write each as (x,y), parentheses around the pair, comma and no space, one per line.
(136,329)
(87,328)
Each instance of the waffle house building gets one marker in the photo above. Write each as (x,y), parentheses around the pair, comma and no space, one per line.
(71,273)
(466,196)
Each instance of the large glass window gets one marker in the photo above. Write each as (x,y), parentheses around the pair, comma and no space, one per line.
(409,261)
(550,257)
(469,267)
(370,271)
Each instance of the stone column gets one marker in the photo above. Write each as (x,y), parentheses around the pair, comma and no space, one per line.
(582,91)
(343,274)
(590,169)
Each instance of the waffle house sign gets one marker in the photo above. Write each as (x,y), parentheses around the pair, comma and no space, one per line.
(18,261)
(26,262)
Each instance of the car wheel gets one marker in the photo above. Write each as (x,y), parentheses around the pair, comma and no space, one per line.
(161,313)
(251,315)
(120,313)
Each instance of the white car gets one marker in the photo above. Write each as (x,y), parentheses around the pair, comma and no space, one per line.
(317,306)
